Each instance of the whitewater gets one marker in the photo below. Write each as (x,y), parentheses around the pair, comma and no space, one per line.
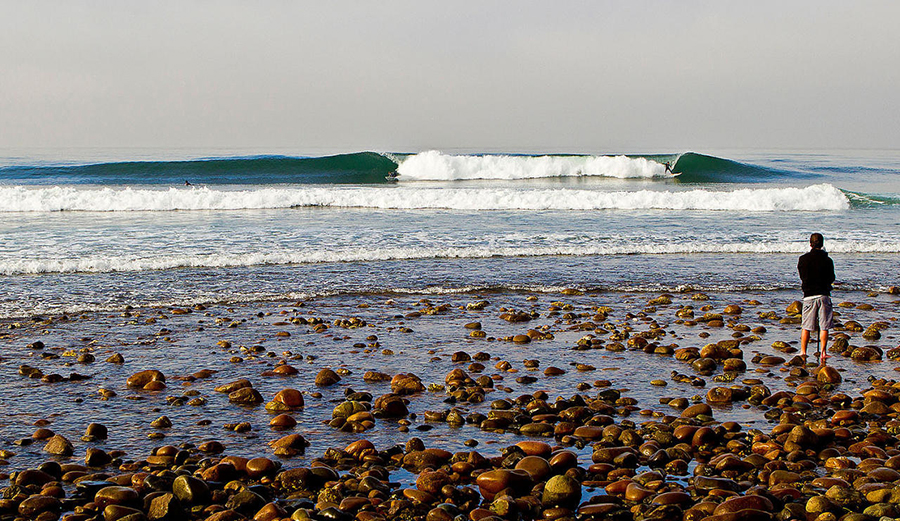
(822,197)
(114,263)
(436,166)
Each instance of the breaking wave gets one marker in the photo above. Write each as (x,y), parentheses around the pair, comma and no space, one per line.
(377,168)
(437,166)
(112,263)
(821,197)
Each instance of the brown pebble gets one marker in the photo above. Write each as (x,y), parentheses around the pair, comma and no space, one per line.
(283,421)
(142,378)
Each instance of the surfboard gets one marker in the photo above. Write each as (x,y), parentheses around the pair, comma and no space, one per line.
(676,174)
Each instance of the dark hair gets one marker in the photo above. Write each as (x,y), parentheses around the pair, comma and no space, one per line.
(816,240)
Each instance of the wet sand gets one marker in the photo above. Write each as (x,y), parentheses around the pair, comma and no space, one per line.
(471,406)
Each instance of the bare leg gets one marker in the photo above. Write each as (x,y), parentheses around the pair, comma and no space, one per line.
(823,343)
(804,341)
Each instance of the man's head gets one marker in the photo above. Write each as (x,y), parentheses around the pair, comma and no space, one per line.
(816,241)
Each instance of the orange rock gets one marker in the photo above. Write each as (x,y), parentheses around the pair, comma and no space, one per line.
(535,448)
(360,448)
(536,466)
(737,504)
(285,370)
(155,385)
(635,492)
(283,421)
(494,481)
(590,432)
(142,378)
(258,467)
(270,512)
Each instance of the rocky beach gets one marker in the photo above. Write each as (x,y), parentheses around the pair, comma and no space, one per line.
(407,261)
(485,406)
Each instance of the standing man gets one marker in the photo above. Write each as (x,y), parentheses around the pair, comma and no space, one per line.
(816,275)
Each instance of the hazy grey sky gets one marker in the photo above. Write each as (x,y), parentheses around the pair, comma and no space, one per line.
(593,76)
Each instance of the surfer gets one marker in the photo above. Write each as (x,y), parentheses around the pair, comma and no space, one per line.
(816,275)
(392,176)
(187,183)
(669,168)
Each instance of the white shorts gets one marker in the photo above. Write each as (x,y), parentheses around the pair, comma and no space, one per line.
(817,314)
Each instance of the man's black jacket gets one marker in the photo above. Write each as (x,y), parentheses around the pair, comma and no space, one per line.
(816,272)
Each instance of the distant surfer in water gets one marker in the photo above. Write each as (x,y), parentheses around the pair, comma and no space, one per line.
(669,168)
(392,176)
(187,183)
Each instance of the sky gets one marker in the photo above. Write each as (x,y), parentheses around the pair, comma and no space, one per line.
(491,76)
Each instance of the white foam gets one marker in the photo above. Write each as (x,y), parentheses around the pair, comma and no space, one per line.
(821,197)
(112,263)
(436,166)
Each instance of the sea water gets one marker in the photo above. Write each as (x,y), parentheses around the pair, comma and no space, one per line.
(128,231)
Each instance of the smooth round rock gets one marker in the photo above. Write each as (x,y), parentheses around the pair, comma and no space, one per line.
(696,410)
(290,397)
(191,490)
(245,396)
(494,481)
(327,377)
(116,495)
(140,379)
(736,504)
(561,490)
(432,481)
(538,467)
(283,421)
(37,504)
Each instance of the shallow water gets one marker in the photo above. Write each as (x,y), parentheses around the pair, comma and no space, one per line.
(180,345)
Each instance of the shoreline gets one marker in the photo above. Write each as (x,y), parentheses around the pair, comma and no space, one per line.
(564,371)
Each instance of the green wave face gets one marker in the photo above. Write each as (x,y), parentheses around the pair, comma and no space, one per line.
(861,200)
(699,168)
(358,168)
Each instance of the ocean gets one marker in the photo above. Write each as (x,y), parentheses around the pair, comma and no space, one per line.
(106,230)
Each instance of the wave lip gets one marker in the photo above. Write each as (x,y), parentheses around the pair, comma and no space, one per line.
(822,197)
(111,263)
(436,166)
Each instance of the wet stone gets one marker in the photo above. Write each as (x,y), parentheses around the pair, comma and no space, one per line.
(142,378)
(36,505)
(191,490)
(59,445)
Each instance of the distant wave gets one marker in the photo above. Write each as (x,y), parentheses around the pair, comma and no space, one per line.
(358,168)
(374,168)
(111,263)
(437,166)
(821,197)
